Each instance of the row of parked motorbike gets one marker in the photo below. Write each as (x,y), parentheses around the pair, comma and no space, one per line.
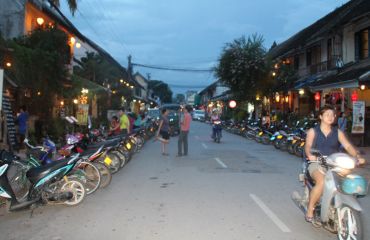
(286,138)
(66,175)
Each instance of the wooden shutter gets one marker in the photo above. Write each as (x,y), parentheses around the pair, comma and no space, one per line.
(357,46)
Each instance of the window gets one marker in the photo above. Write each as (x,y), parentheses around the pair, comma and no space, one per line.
(296,62)
(309,57)
(362,44)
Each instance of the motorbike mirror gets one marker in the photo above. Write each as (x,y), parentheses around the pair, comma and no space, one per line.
(297,123)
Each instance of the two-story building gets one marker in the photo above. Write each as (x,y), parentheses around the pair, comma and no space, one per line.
(331,60)
(213,96)
(21,17)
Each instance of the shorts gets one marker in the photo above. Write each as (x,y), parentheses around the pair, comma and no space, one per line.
(312,167)
(165,135)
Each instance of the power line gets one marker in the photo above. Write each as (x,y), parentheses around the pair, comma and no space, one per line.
(172,68)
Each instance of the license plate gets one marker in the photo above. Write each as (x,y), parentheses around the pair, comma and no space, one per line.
(260,133)
(128,146)
(302,144)
(107,161)
(280,137)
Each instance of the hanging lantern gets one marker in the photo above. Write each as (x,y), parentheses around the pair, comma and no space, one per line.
(277,97)
(354,96)
(317,96)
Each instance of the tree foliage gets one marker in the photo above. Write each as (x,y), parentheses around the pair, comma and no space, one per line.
(160,89)
(40,66)
(244,68)
(72,4)
(179,98)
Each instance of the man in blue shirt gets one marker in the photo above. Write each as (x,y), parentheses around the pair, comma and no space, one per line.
(22,120)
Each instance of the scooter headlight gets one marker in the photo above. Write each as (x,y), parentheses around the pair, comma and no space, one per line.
(128,146)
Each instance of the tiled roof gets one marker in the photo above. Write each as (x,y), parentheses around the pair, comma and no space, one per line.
(338,17)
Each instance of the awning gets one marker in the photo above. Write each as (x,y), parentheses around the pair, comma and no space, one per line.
(223,97)
(343,79)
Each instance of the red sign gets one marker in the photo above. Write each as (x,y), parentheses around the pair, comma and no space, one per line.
(354,96)
(232,104)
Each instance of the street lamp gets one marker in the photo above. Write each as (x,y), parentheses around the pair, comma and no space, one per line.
(78,45)
(301,92)
(8,64)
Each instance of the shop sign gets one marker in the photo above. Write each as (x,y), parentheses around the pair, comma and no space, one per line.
(358,123)
(82,113)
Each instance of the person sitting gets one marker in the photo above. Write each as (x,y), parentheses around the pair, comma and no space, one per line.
(114,126)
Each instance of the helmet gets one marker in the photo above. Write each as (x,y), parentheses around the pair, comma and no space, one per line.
(354,184)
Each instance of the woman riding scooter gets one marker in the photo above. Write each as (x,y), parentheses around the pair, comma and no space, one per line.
(327,139)
(214,118)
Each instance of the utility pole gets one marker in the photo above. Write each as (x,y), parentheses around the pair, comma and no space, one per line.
(129,67)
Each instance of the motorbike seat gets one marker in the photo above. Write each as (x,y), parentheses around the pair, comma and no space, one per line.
(37,173)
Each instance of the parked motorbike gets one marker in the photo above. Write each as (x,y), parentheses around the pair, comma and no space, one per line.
(48,184)
(339,210)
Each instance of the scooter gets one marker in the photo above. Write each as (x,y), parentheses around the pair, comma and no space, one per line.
(47,184)
(216,128)
(339,210)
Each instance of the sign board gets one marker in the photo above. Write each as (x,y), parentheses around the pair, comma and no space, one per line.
(10,123)
(358,122)
(82,113)
(1,86)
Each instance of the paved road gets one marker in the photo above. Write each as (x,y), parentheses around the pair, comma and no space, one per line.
(234,190)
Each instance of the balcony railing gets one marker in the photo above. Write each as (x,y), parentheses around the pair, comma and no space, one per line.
(334,62)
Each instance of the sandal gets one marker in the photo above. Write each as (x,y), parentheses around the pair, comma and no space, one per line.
(309,219)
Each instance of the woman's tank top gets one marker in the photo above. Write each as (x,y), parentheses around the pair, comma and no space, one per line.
(326,145)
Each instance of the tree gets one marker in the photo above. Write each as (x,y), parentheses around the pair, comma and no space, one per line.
(40,66)
(244,68)
(160,89)
(72,4)
(179,98)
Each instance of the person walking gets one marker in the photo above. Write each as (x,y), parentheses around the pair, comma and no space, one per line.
(22,120)
(184,131)
(163,129)
(124,122)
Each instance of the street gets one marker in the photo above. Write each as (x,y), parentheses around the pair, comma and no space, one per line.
(237,189)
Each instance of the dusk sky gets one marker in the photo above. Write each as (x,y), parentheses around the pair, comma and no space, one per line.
(188,34)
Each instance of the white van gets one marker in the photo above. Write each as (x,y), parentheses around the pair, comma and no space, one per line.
(199,115)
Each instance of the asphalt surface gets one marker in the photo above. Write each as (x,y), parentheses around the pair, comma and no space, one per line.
(237,189)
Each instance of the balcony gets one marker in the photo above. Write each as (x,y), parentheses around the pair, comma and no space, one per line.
(334,62)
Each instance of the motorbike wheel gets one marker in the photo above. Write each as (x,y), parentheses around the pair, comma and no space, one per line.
(122,156)
(283,145)
(350,224)
(89,175)
(78,190)
(265,140)
(249,135)
(290,148)
(106,175)
(115,165)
